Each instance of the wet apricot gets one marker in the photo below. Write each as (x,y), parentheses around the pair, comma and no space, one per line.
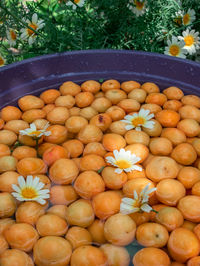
(130,85)
(15,257)
(96,230)
(49,96)
(78,236)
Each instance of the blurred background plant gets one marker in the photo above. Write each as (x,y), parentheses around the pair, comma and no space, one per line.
(31,28)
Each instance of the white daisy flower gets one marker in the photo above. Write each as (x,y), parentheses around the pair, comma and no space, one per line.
(138,203)
(139,120)
(30,190)
(191,39)
(34,132)
(124,161)
(189,17)
(139,7)
(178,17)
(175,48)
(2,61)
(11,36)
(35,24)
(75,3)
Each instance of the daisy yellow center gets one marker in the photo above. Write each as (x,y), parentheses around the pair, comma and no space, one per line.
(13,35)
(138,121)
(31,32)
(76,1)
(139,5)
(174,50)
(189,40)
(35,133)
(123,164)
(2,62)
(137,204)
(29,193)
(186,19)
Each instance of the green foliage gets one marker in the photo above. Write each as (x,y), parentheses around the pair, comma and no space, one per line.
(96,25)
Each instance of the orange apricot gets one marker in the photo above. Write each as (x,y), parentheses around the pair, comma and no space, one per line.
(139,150)
(7,163)
(84,99)
(94,148)
(33,114)
(58,134)
(106,204)
(3,245)
(196,189)
(58,115)
(160,146)
(80,213)
(87,112)
(115,113)
(151,256)
(102,121)
(134,136)
(184,153)
(189,207)
(74,147)
(7,179)
(15,257)
(90,133)
(62,194)
(110,85)
(7,137)
(150,87)
(175,135)
(152,107)
(130,85)
(191,100)
(189,176)
(101,104)
(4,150)
(5,223)
(67,101)
(28,102)
(52,250)
(140,217)
(69,88)
(119,229)
(48,107)
(7,205)
(118,127)
(96,230)
(9,113)
(189,112)
(112,179)
(172,105)
(170,191)
(173,93)
(113,142)
(168,118)
(31,166)
(129,105)
(189,225)
(78,236)
(156,98)
(91,86)
(89,184)
(49,96)
(195,261)
(22,152)
(75,123)
(155,131)
(190,127)
(183,245)
(92,162)
(16,125)
(138,94)
(54,153)
(22,236)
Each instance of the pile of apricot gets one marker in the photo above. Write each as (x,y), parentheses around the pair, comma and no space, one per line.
(81,223)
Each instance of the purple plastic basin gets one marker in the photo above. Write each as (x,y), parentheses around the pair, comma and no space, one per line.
(37,74)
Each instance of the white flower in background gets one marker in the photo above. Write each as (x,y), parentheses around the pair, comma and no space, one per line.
(191,39)
(30,190)
(139,120)
(2,61)
(75,3)
(189,17)
(35,24)
(124,161)
(34,132)
(175,48)
(138,203)
(138,8)
(178,17)
(11,36)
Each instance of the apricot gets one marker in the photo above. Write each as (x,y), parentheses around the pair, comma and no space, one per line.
(80,213)
(22,236)
(170,191)
(7,205)
(189,112)
(7,179)
(22,152)
(78,236)
(91,86)
(62,194)
(193,261)
(94,148)
(106,204)
(28,102)
(49,96)
(140,217)
(140,150)
(96,230)
(91,162)
(58,115)
(188,206)
(33,114)
(101,104)
(134,136)
(54,153)
(52,250)
(74,147)
(129,105)
(29,212)
(151,256)
(67,101)
(160,146)
(168,118)
(112,179)
(75,123)
(119,229)
(130,85)
(190,127)
(191,100)
(150,87)
(116,255)
(4,150)
(152,107)
(9,113)
(156,98)
(88,184)
(5,223)
(183,245)
(16,125)
(168,168)
(189,225)
(189,176)
(15,257)
(115,112)
(110,85)
(87,112)
(175,135)
(102,121)
(138,94)
(173,93)
(7,137)
(118,127)
(90,133)
(59,210)
(63,171)
(184,153)
(172,105)
(58,134)
(152,235)
(170,217)
(69,88)
(3,244)
(84,99)
(31,166)
(196,189)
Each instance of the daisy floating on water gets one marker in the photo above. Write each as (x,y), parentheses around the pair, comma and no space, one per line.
(30,190)
(139,120)
(189,17)
(28,33)
(2,61)
(175,48)
(11,36)
(139,203)
(139,7)
(34,132)
(191,39)
(124,161)
(75,3)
